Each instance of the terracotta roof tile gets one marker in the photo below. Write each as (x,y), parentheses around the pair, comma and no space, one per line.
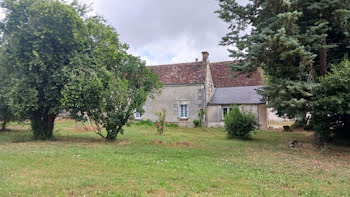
(194,73)
(223,76)
(187,73)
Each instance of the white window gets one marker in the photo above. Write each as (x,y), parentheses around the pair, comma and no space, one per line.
(138,115)
(184,111)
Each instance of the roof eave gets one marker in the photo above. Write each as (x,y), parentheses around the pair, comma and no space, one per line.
(237,103)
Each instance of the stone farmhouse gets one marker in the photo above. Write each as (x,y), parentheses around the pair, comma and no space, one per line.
(190,87)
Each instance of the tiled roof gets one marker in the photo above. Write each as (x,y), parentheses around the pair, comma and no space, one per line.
(237,95)
(187,73)
(223,76)
(194,73)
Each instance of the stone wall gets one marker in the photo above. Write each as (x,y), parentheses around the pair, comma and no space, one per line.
(171,97)
(215,114)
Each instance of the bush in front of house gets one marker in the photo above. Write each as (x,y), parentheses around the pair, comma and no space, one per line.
(171,125)
(147,122)
(239,124)
(331,108)
(196,123)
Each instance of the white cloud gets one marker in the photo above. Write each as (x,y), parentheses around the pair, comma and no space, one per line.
(166,31)
(182,48)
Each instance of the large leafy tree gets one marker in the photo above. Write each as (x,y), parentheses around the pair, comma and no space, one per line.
(57,58)
(40,38)
(114,85)
(294,41)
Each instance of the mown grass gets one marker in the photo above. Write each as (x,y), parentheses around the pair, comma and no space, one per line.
(182,162)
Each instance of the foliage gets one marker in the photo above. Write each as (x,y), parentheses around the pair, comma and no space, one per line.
(331,108)
(197,123)
(59,59)
(40,38)
(147,122)
(112,88)
(171,125)
(161,121)
(239,124)
(201,115)
(6,114)
(293,41)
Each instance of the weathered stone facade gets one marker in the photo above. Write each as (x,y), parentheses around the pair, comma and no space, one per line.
(171,98)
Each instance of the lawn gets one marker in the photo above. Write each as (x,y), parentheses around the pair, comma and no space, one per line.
(182,162)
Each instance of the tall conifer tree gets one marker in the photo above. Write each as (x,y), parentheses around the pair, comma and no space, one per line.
(294,41)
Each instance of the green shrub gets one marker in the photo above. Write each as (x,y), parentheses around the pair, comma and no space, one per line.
(147,122)
(331,108)
(197,123)
(171,125)
(239,124)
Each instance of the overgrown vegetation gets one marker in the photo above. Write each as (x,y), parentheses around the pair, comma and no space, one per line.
(239,123)
(331,108)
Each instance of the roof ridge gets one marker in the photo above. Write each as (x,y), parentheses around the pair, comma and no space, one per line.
(221,62)
(186,63)
(176,64)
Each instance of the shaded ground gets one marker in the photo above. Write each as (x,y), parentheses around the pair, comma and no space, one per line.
(182,162)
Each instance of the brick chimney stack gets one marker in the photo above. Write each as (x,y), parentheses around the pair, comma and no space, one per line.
(205,56)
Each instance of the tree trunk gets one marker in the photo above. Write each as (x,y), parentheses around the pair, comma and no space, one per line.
(3,127)
(43,125)
(112,134)
(323,58)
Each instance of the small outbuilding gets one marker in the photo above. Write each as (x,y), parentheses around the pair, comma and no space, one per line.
(245,97)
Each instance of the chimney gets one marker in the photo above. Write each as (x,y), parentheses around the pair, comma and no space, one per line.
(205,56)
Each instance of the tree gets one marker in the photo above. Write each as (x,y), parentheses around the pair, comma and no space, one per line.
(331,108)
(293,41)
(161,115)
(40,39)
(112,87)
(6,114)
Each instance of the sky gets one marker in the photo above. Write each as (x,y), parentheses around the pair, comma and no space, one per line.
(166,31)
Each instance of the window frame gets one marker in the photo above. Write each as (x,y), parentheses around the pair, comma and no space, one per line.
(138,116)
(185,113)
(223,113)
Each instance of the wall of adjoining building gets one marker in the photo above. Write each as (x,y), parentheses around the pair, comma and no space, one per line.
(215,114)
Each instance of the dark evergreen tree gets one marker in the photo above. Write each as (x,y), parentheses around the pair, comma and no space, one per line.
(294,41)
